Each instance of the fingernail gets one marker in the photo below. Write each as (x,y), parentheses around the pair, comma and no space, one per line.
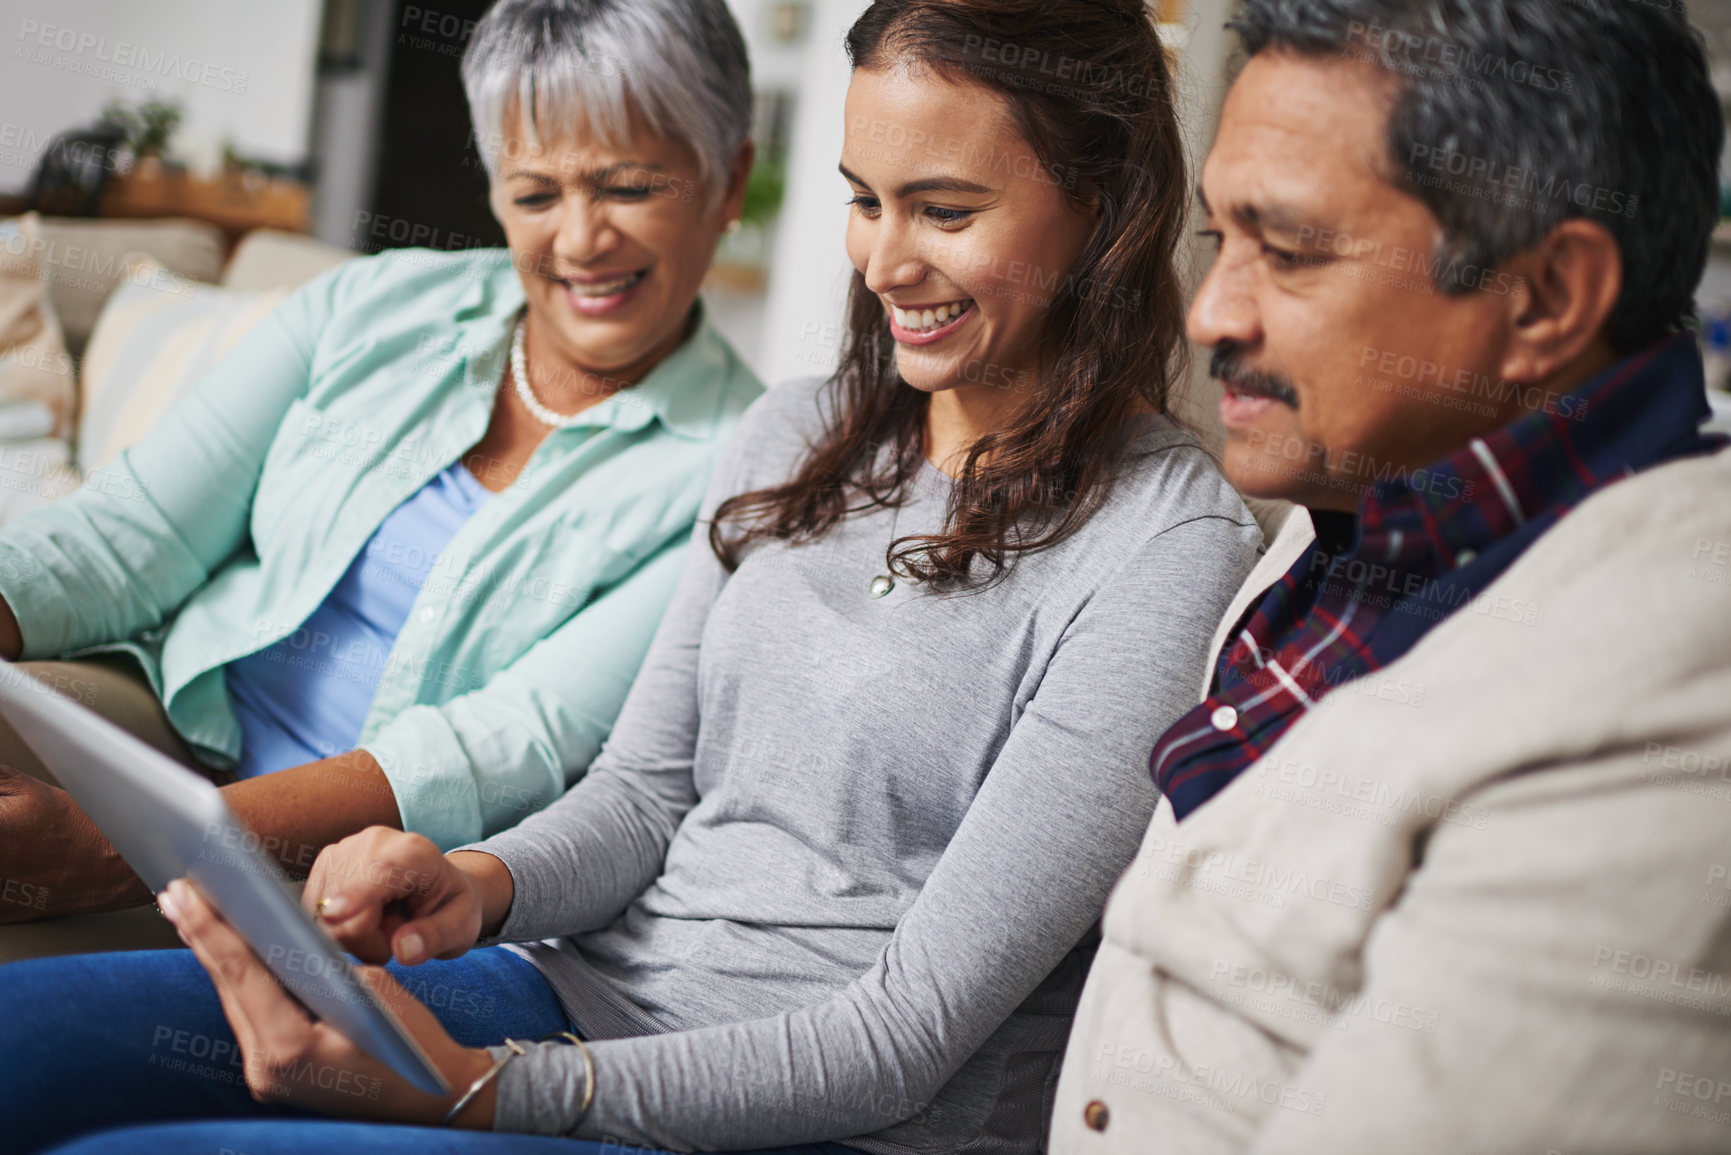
(167,905)
(335,907)
(409,947)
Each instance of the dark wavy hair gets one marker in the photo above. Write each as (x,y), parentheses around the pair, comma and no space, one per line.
(1088,85)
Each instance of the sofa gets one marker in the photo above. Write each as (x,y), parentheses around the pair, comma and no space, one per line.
(102,325)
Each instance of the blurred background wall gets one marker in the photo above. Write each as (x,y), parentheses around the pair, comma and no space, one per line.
(349,113)
(355,107)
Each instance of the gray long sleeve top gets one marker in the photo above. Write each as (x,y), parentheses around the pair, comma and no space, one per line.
(834,873)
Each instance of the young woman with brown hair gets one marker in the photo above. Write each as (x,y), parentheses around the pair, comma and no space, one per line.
(833,877)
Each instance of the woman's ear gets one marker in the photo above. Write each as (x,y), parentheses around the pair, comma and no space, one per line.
(733,201)
(1567,287)
(1091,205)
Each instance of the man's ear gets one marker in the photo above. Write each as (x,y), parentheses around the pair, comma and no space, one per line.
(1568,285)
(733,201)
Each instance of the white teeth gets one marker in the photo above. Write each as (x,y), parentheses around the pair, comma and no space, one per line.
(605,288)
(917,320)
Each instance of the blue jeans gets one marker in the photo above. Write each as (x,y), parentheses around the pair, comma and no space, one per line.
(129,1054)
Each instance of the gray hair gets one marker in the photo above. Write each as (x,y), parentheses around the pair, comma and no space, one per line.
(679,64)
(1514,116)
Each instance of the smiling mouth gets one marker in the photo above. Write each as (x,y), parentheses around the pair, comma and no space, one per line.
(611,287)
(930,318)
(1242,383)
(1261,390)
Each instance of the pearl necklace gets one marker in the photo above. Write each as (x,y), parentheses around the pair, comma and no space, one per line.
(526,394)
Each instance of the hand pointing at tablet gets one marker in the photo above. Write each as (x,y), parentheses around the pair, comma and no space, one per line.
(384,893)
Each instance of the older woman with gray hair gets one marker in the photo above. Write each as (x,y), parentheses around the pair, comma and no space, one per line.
(397,558)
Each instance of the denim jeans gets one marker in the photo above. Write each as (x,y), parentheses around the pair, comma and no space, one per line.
(129,1054)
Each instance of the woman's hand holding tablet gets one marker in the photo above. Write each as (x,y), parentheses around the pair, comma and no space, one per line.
(290,1057)
(380,893)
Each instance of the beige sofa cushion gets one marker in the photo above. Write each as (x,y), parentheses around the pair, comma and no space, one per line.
(141,928)
(83,261)
(271,259)
(157,336)
(34,365)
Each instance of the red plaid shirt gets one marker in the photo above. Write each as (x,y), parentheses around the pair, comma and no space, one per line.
(1421,547)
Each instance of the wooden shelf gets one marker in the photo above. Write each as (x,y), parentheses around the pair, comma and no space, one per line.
(237,204)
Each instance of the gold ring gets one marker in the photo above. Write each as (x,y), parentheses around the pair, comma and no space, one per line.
(319,907)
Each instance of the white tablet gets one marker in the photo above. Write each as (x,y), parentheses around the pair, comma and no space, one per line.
(169,823)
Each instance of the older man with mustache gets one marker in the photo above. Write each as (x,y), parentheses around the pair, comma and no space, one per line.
(1442,854)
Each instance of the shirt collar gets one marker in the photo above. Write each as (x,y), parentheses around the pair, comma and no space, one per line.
(684,391)
(1640,411)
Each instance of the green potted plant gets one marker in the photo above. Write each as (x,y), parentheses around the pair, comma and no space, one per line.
(157,120)
(148,129)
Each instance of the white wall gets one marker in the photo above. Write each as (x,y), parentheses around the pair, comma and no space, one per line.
(809,271)
(809,228)
(1204,48)
(240,69)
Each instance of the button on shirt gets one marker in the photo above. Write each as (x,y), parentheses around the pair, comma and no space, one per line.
(1421,548)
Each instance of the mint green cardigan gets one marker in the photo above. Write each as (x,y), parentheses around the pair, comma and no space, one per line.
(219,532)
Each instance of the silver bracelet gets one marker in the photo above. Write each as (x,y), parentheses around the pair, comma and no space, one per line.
(513,1049)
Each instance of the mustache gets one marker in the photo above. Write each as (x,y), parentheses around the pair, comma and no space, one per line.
(1226,365)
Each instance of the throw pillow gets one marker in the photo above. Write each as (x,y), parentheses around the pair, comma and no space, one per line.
(157,335)
(34,365)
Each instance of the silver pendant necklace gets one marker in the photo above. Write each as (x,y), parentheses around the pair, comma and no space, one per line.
(884,583)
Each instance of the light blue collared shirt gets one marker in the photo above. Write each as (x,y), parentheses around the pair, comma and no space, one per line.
(221,531)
